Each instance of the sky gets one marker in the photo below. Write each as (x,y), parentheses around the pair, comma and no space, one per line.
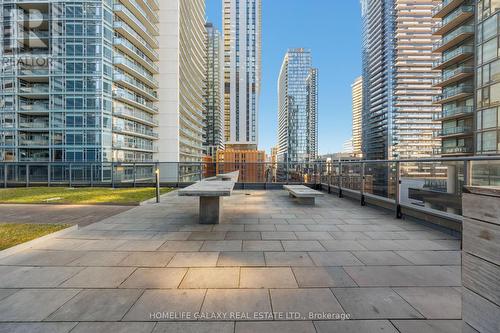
(332,30)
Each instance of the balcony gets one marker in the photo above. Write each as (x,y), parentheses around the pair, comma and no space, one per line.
(135,115)
(453,94)
(452,76)
(458,112)
(35,107)
(127,130)
(37,90)
(453,20)
(455,56)
(453,38)
(455,131)
(456,151)
(445,7)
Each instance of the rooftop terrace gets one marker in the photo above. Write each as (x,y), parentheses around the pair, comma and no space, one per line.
(272,266)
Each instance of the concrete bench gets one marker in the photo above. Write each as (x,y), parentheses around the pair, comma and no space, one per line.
(303,194)
(210,191)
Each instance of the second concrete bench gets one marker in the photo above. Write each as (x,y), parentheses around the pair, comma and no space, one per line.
(304,194)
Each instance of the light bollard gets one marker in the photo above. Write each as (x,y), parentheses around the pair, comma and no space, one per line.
(157,176)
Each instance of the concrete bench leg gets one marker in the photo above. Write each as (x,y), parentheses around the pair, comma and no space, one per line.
(306,201)
(210,210)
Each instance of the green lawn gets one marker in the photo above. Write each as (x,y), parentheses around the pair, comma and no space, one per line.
(64,195)
(14,234)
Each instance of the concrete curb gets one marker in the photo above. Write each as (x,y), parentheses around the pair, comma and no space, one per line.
(24,246)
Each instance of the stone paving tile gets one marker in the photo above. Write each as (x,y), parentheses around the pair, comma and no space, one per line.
(243,235)
(36,277)
(100,259)
(101,245)
(334,259)
(428,326)
(60,244)
(302,245)
(147,259)
(322,227)
(237,301)
(342,245)
(313,235)
(99,277)
(194,259)
(267,277)
(305,301)
(355,326)
(120,327)
(140,245)
(155,278)
(374,303)
(41,258)
(224,245)
(167,301)
(239,259)
(275,326)
(229,228)
(403,276)
(33,304)
(174,246)
(432,257)
(213,327)
(36,327)
(211,278)
(387,258)
(434,303)
(260,227)
(291,227)
(278,235)
(262,246)
(207,235)
(325,277)
(288,259)
(97,305)
(168,236)
(4,293)
(348,235)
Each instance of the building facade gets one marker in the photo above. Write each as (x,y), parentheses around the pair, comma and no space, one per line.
(250,163)
(214,95)
(456,48)
(182,80)
(487,122)
(357,109)
(78,82)
(398,111)
(297,108)
(242,71)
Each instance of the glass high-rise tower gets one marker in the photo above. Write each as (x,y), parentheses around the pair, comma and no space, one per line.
(242,71)
(78,81)
(297,108)
(398,110)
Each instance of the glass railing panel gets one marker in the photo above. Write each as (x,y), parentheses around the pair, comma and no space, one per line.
(433,186)
(380,179)
(485,173)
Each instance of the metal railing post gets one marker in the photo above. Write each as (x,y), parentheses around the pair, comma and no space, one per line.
(70,175)
(399,214)
(330,175)
(467,173)
(27,175)
(91,175)
(363,202)
(5,176)
(340,180)
(48,174)
(112,175)
(287,171)
(135,174)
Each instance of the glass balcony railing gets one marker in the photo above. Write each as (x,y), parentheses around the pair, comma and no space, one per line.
(35,107)
(448,75)
(136,115)
(134,131)
(35,89)
(448,20)
(460,52)
(34,71)
(458,130)
(452,93)
(454,112)
(457,150)
(451,37)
